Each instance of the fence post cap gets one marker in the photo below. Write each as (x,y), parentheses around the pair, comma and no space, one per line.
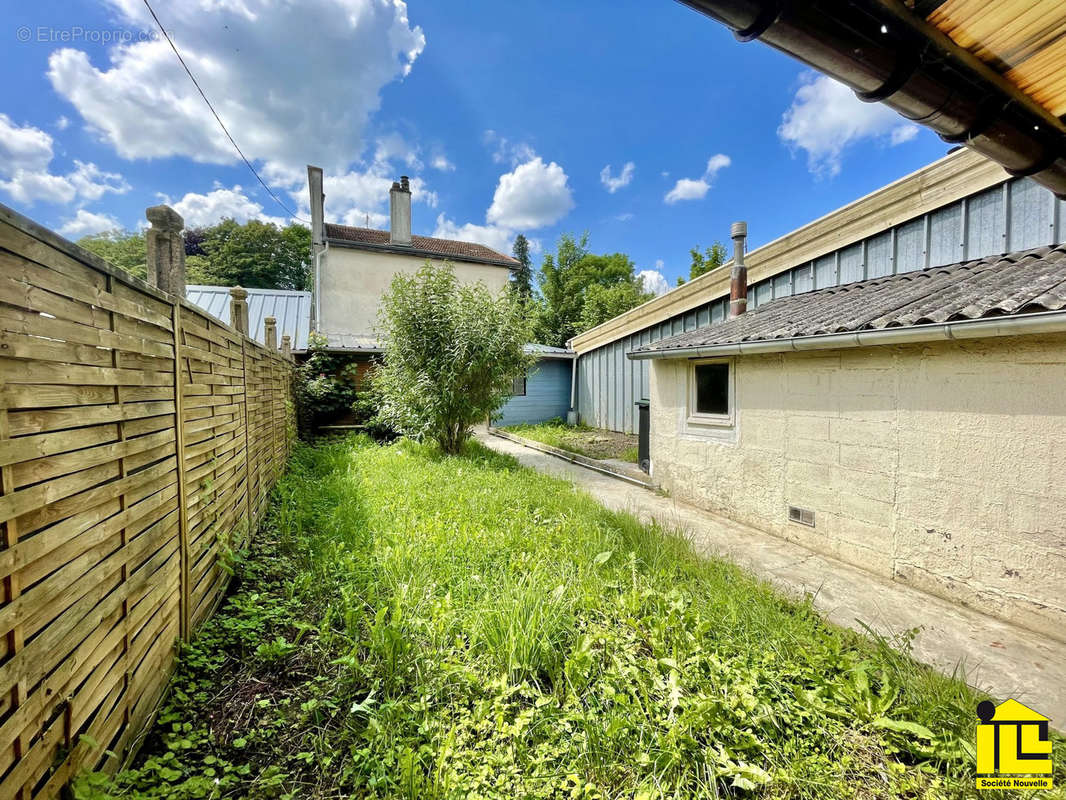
(237,293)
(164,218)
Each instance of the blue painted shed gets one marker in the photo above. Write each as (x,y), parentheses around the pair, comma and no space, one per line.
(544,392)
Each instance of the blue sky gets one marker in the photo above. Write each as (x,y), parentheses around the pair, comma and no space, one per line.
(505,115)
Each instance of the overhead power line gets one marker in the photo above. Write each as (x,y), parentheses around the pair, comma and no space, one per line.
(218,119)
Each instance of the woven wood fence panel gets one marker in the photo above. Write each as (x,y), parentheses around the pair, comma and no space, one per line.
(139,440)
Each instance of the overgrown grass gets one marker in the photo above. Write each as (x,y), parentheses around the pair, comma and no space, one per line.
(580,439)
(410,625)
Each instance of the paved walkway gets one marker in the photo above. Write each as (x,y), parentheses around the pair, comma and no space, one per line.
(1000,658)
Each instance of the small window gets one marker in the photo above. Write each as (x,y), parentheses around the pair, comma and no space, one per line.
(518,386)
(710,401)
(712,389)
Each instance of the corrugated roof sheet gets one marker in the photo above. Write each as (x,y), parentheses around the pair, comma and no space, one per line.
(548,351)
(420,245)
(1014,284)
(291,309)
(353,341)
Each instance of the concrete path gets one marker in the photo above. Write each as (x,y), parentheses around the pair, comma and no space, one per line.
(1002,659)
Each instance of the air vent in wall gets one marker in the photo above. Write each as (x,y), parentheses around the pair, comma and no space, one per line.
(804,516)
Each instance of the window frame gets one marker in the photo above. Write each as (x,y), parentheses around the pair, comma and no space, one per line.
(525,386)
(702,420)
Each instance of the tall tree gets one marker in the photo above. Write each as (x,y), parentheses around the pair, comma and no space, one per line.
(567,279)
(124,249)
(256,255)
(522,278)
(712,258)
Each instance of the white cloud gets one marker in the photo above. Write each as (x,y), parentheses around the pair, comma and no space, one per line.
(62,123)
(394,146)
(653,280)
(254,59)
(532,195)
(441,162)
(499,239)
(696,189)
(23,147)
(505,151)
(199,210)
(85,223)
(826,118)
(625,216)
(25,162)
(612,184)
(361,197)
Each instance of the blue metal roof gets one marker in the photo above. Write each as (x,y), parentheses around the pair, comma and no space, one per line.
(291,309)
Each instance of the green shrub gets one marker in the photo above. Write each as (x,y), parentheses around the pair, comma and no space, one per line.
(324,385)
(452,351)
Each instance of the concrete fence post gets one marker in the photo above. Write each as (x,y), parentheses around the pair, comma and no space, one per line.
(238,309)
(286,346)
(270,334)
(166,250)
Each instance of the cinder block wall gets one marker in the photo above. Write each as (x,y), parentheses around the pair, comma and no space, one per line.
(940,465)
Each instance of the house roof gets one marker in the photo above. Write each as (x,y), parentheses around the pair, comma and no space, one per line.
(1000,286)
(372,239)
(354,342)
(547,351)
(291,309)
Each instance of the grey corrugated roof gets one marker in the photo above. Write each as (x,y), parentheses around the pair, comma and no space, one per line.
(547,351)
(291,309)
(1010,285)
(353,341)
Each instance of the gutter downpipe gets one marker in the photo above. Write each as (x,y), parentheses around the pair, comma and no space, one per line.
(571,415)
(318,284)
(1041,322)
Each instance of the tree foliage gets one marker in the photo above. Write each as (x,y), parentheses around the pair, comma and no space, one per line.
(324,385)
(124,249)
(522,278)
(255,254)
(712,258)
(607,302)
(574,278)
(452,351)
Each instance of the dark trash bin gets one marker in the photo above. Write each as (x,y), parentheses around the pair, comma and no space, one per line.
(643,435)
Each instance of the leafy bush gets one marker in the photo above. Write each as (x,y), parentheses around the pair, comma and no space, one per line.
(324,385)
(452,351)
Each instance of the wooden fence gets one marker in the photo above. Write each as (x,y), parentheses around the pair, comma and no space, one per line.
(139,438)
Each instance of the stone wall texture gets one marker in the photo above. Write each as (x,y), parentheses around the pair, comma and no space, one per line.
(940,465)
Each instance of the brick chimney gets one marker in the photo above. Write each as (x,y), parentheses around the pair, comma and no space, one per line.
(738,276)
(400,212)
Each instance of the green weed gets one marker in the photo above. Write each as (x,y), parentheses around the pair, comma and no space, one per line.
(414,625)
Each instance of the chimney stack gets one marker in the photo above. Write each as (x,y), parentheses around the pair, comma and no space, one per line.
(318,202)
(738,276)
(400,212)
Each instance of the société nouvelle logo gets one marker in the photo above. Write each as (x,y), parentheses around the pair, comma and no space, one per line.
(1013,747)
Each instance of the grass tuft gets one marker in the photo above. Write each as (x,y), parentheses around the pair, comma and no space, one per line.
(415,625)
